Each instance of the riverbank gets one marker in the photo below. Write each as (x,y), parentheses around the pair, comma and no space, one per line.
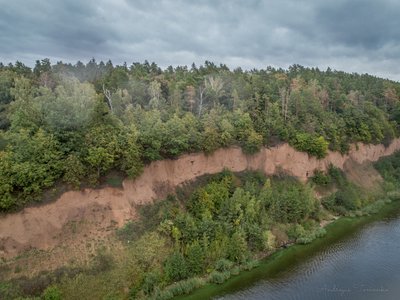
(38,227)
(346,189)
(285,260)
(215,227)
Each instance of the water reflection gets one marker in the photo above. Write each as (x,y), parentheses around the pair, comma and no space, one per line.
(364,265)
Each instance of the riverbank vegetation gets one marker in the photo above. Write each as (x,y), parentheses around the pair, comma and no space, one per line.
(70,125)
(212,230)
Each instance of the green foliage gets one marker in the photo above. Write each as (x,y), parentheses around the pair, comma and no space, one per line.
(219,277)
(304,235)
(218,231)
(249,265)
(118,118)
(237,248)
(9,291)
(175,138)
(105,117)
(179,288)
(74,170)
(253,142)
(316,146)
(30,163)
(131,153)
(347,198)
(195,258)
(150,136)
(389,168)
(320,178)
(223,265)
(176,267)
(150,281)
(290,203)
(52,293)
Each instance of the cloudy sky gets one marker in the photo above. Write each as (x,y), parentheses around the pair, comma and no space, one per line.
(352,35)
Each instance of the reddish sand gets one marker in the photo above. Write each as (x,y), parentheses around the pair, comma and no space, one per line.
(38,227)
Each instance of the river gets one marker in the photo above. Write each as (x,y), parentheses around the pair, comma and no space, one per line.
(359,258)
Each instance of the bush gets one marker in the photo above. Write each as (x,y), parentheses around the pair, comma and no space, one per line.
(344,200)
(250,265)
(316,146)
(394,195)
(295,231)
(195,258)
(290,202)
(9,291)
(175,267)
(52,293)
(253,142)
(237,248)
(308,236)
(320,178)
(219,277)
(235,270)
(223,265)
(179,288)
(150,281)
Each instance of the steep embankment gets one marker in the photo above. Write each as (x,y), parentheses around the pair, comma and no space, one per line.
(40,227)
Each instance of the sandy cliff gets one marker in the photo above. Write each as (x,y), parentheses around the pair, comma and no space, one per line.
(39,227)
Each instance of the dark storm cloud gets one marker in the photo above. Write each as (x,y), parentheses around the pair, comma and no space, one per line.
(369,24)
(354,35)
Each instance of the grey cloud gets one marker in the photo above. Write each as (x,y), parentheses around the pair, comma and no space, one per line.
(369,24)
(354,35)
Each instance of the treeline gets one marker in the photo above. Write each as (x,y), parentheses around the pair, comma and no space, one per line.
(74,123)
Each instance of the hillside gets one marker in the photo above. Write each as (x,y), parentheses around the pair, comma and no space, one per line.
(42,227)
(72,124)
(219,168)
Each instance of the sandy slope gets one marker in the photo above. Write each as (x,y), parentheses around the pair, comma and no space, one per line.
(39,227)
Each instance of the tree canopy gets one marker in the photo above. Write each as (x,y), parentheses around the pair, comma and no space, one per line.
(75,123)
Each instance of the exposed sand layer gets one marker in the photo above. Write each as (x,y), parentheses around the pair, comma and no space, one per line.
(39,227)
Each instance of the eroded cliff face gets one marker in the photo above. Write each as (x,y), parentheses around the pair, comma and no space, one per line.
(40,226)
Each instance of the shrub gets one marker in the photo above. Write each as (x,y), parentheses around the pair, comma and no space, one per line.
(9,291)
(195,258)
(223,265)
(219,277)
(253,142)
(235,270)
(308,236)
(52,293)
(150,281)
(179,288)
(175,267)
(316,146)
(250,265)
(320,178)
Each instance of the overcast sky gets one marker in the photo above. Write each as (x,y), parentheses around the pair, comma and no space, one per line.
(353,35)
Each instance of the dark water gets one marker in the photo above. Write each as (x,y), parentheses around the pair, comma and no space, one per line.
(358,259)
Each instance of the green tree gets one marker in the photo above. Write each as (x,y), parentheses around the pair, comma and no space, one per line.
(74,170)
(237,248)
(131,152)
(195,258)
(175,138)
(175,267)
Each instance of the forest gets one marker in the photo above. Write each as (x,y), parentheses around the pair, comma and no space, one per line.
(70,124)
